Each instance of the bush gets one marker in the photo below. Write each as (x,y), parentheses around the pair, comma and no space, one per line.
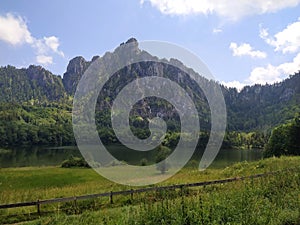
(75,162)
(162,153)
(117,163)
(144,162)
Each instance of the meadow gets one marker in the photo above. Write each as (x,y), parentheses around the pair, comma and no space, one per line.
(274,199)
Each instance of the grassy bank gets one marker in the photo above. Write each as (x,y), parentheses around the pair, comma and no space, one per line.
(271,200)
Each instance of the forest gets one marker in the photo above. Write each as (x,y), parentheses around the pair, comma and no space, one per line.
(36,109)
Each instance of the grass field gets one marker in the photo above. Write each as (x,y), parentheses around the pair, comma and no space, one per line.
(271,200)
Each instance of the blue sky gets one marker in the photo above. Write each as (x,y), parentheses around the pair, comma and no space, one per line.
(241,41)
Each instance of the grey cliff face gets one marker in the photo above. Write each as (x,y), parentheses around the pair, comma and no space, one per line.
(75,70)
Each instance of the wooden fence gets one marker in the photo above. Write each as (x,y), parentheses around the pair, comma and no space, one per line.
(38,203)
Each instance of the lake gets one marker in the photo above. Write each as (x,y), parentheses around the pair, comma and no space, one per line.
(53,156)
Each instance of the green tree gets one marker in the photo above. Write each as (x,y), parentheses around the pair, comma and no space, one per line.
(143,162)
(161,154)
(284,140)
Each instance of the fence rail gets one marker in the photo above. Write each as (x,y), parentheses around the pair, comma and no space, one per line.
(38,203)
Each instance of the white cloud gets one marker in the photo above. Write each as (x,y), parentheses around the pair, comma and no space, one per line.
(234,84)
(246,50)
(217,30)
(262,75)
(234,9)
(286,41)
(53,43)
(291,67)
(271,74)
(14,30)
(43,59)
(47,45)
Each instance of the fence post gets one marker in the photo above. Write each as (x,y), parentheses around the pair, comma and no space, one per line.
(111,198)
(75,204)
(131,194)
(38,207)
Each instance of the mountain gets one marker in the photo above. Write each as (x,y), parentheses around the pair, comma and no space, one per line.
(33,83)
(262,107)
(75,70)
(257,107)
(35,99)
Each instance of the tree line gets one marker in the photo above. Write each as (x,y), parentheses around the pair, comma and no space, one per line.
(51,124)
(285,139)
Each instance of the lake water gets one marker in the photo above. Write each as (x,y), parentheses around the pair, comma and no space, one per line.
(53,156)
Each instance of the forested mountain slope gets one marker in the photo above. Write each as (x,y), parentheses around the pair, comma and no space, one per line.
(263,106)
(35,100)
(33,83)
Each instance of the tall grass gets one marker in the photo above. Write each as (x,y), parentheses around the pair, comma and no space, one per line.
(271,200)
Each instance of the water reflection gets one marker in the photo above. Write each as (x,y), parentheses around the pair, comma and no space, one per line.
(53,156)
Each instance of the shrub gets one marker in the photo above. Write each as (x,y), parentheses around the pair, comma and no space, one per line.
(144,162)
(75,162)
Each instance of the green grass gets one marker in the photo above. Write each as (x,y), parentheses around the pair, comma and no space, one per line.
(271,200)
(28,184)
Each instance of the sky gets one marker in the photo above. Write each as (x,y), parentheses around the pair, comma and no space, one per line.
(243,42)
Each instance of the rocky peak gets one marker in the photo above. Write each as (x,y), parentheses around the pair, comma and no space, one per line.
(131,45)
(132,40)
(95,58)
(40,74)
(77,65)
(75,70)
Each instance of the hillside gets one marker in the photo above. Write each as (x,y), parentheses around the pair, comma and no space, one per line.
(31,84)
(262,107)
(35,92)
